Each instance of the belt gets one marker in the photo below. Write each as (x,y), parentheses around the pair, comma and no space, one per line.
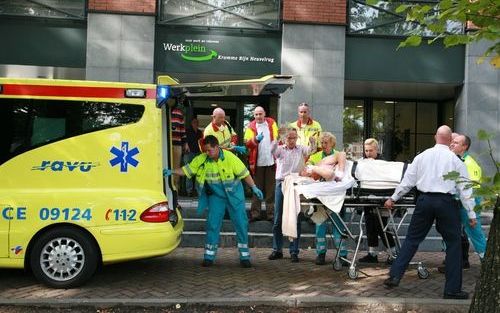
(436,193)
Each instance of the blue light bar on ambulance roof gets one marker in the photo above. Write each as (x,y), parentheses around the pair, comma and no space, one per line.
(1,89)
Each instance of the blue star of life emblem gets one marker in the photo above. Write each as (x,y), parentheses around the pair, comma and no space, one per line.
(124,157)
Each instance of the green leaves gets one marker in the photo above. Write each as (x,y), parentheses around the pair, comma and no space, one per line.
(494,28)
(496,179)
(453,175)
(445,4)
(402,8)
(480,16)
(483,135)
(453,40)
(438,27)
(412,41)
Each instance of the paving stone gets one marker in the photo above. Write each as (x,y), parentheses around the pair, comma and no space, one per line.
(180,275)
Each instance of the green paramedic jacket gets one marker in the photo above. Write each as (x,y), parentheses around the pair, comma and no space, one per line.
(222,177)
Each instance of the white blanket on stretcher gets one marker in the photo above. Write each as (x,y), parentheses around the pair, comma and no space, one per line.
(370,173)
(329,193)
(378,174)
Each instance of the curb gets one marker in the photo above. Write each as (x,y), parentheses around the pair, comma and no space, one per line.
(296,302)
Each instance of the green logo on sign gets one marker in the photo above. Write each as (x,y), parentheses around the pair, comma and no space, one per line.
(199,58)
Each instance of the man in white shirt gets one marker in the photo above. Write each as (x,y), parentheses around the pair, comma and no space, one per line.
(259,135)
(436,201)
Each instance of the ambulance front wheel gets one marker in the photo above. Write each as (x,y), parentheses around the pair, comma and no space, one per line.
(64,257)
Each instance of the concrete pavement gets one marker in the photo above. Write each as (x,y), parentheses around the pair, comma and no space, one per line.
(179,279)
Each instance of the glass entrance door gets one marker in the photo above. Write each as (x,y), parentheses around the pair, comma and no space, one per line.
(403,128)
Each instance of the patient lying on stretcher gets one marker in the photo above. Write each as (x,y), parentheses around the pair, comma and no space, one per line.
(327,164)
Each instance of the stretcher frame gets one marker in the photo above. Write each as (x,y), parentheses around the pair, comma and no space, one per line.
(371,198)
(392,227)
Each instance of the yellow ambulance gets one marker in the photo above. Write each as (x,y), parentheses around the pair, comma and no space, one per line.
(81,171)
(81,177)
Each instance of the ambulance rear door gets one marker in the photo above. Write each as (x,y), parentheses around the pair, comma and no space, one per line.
(271,85)
(172,93)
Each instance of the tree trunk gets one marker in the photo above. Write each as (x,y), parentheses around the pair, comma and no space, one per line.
(487,294)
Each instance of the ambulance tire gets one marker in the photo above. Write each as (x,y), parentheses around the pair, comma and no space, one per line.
(64,257)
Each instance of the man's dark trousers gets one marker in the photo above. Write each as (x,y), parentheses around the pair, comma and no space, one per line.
(265,181)
(374,230)
(446,211)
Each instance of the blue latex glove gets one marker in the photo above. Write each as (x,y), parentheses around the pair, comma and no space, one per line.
(256,191)
(240,149)
(167,172)
(259,137)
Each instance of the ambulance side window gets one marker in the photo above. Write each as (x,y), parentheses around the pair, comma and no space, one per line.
(26,124)
(14,127)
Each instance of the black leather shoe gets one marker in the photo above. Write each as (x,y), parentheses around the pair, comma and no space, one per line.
(320,259)
(369,258)
(294,258)
(207,263)
(456,295)
(391,282)
(275,255)
(245,263)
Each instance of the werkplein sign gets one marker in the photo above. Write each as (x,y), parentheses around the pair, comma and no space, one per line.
(202,53)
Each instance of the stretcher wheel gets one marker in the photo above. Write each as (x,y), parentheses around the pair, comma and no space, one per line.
(337,265)
(353,274)
(422,272)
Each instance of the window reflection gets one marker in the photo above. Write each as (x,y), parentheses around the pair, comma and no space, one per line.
(427,111)
(248,109)
(27,124)
(383,127)
(74,9)
(382,19)
(262,14)
(353,128)
(404,128)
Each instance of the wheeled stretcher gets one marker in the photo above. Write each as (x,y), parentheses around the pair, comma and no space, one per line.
(368,183)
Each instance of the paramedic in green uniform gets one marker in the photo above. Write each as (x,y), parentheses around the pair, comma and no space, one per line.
(218,181)
(332,157)
(460,146)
